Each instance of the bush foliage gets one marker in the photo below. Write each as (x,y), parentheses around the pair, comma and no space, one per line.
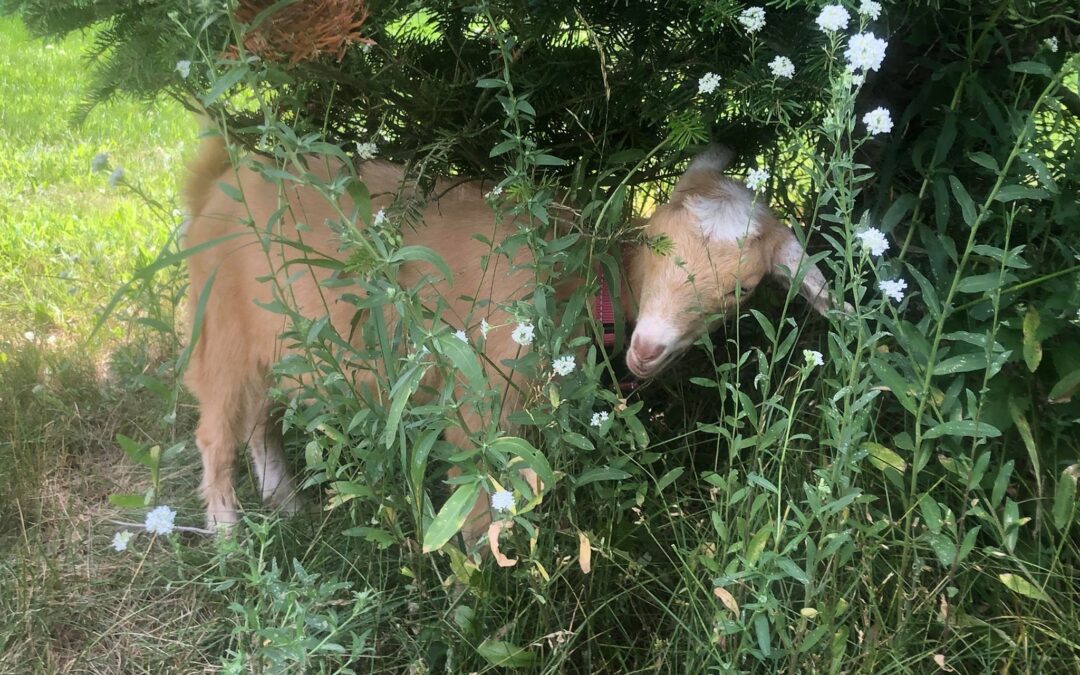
(912,502)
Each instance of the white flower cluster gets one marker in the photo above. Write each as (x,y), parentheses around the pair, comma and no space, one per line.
(161,521)
(380,218)
(894,288)
(524,334)
(878,121)
(708,83)
(502,500)
(184,68)
(366,151)
(781,66)
(598,418)
(757,179)
(865,52)
(752,19)
(870,9)
(813,358)
(120,540)
(564,365)
(874,240)
(1051,44)
(494,192)
(833,18)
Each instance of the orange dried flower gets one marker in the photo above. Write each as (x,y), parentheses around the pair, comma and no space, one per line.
(304,30)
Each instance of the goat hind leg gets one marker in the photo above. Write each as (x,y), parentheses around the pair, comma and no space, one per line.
(276,484)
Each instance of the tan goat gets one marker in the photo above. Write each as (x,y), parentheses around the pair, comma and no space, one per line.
(720,240)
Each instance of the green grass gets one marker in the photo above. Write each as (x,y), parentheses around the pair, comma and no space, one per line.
(67,240)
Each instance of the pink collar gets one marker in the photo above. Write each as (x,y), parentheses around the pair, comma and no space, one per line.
(604,312)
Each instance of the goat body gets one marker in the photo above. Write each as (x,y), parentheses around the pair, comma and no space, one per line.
(722,244)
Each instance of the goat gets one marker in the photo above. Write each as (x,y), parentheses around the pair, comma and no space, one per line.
(722,241)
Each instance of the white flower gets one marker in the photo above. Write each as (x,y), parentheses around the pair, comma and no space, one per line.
(380,218)
(29,335)
(564,365)
(184,68)
(598,418)
(858,79)
(865,52)
(523,334)
(161,520)
(813,358)
(870,9)
(485,327)
(874,240)
(99,162)
(877,121)
(120,540)
(756,179)
(781,66)
(833,18)
(752,19)
(366,151)
(502,500)
(894,289)
(1051,44)
(116,176)
(462,336)
(494,192)
(708,83)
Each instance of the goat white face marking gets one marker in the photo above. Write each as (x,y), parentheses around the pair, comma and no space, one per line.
(724,220)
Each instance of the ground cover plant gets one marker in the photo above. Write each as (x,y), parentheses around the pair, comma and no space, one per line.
(893,489)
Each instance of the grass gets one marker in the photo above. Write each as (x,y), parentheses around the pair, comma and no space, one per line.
(759,541)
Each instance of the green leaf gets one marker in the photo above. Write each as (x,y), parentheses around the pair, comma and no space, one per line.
(1032,68)
(669,478)
(451,517)
(967,207)
(1032,346)
(464,360)
(896,384)
(578,441)
(490,83)
(1010,193)
(984,160)
(423,254)
(1063,391)
(757,544)
(884,458)
(224,83)
(792,570)
(1064,497)
(964,363)
(599,474)
(963,428)
(133,501)
(1022,586)
(375,535)
(500,653)
(400,394)
(532,457)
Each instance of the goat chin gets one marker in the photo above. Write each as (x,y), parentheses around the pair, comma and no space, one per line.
(234,256)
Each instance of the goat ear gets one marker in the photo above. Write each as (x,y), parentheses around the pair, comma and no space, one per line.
(791,264)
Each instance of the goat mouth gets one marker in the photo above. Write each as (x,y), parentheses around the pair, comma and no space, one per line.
(652,368)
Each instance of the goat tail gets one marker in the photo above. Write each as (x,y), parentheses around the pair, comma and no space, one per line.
(210,162)
(716,158)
